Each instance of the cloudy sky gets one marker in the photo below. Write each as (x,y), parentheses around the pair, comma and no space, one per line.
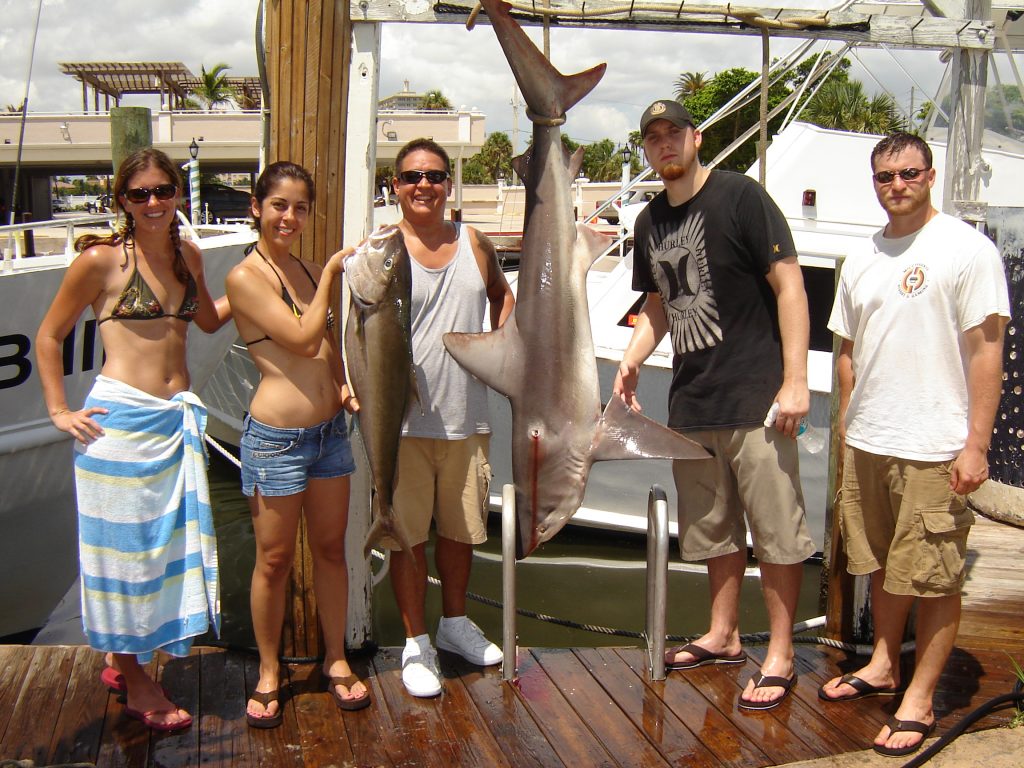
(468,67)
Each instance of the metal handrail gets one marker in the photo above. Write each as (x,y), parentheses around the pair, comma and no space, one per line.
(657,580)
(508,581)
(13,247)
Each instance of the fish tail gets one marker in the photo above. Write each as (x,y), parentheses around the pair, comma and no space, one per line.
(385,526)
(548,93)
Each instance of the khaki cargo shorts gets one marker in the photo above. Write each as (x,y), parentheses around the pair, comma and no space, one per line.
(447,481)
(754,470)
(901,515)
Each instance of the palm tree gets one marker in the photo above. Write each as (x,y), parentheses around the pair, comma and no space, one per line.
(843,105)
(689,83)
(213,88)
(435,101)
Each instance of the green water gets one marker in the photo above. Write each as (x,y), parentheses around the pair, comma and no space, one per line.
(587,578)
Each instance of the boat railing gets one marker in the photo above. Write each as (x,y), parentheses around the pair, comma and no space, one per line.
(657,581)
(17,241)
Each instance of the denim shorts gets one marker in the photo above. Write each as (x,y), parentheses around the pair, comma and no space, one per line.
(279,462)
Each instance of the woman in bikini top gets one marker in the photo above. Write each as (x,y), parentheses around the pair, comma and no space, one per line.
(148,356)
(279,304)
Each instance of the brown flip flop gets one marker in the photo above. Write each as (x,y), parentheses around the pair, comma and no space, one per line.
(349,705)
(702,657)
(266,721)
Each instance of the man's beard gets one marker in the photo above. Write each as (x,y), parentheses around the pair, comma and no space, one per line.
(672,171)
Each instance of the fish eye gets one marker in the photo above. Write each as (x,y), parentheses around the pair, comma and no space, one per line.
(388,262)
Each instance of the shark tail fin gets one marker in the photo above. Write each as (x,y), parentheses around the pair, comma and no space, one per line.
(548,93)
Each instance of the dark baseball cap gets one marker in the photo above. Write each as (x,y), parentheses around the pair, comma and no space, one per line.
(665,109)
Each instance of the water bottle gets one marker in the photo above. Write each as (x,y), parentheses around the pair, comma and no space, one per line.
(810,439)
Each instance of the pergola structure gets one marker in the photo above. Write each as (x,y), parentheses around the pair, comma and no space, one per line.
(171,80)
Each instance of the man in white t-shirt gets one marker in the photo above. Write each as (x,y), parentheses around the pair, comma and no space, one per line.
(921,309)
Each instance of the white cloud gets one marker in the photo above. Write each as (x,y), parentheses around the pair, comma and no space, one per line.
(467,66)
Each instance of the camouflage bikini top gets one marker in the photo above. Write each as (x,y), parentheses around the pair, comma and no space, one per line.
(138,302)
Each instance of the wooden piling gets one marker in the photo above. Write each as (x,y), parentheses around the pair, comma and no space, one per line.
(131,129)
(308,51)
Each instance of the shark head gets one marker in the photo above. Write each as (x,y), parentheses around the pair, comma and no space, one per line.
(551,478)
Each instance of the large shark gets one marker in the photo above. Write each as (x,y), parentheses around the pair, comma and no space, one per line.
(542,358)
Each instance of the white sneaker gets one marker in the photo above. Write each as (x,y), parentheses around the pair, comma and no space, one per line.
(460,635)
(420,673)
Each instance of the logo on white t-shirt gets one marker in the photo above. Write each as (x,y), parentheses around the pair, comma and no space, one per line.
(914,281)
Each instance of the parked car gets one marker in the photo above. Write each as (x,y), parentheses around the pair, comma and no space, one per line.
(100,204)
(637,197)
(220,202)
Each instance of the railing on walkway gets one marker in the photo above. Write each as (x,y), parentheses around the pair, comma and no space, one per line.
(17,241)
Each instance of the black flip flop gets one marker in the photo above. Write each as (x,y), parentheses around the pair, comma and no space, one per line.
(863,689)
(702,657)
(901,726)
(769,681)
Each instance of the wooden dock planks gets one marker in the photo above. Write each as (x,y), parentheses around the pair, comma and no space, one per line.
(568,707)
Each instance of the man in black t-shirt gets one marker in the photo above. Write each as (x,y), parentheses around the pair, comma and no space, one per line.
(717,262)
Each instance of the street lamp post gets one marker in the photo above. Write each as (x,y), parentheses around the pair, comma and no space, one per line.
(193,181)
(627,158)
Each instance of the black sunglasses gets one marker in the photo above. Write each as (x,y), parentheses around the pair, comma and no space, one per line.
(413,177)
(142,194)
(907,174)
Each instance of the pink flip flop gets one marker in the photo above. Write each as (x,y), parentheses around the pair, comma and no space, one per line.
(113,679)
(146,718)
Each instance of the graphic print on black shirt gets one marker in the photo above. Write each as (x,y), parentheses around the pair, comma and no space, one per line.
(680,252)
(708,259)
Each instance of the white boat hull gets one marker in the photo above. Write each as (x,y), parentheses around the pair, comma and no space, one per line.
(616,496)
(38,520)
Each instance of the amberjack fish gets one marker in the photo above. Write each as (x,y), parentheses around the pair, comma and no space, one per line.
(378,352)
(542,358)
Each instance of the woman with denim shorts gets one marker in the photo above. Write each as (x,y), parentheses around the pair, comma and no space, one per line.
(296,457)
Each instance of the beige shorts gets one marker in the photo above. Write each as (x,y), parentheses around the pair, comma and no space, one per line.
(446,481)
(901,515)
(754,470)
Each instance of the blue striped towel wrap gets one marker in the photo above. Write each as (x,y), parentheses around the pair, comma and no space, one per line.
(147,546)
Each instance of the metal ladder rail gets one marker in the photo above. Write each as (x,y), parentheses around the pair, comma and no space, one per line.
(657,581)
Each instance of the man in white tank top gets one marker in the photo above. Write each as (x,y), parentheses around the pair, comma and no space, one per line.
(443,474)
(921,308)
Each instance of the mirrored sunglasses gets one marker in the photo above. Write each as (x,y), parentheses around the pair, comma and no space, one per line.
(907,174)
(413,177)
(142,194)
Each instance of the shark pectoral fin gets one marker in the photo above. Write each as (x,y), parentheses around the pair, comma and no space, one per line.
(521,165)
(590,244)
(575,162)
(488,356)
(625,434)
